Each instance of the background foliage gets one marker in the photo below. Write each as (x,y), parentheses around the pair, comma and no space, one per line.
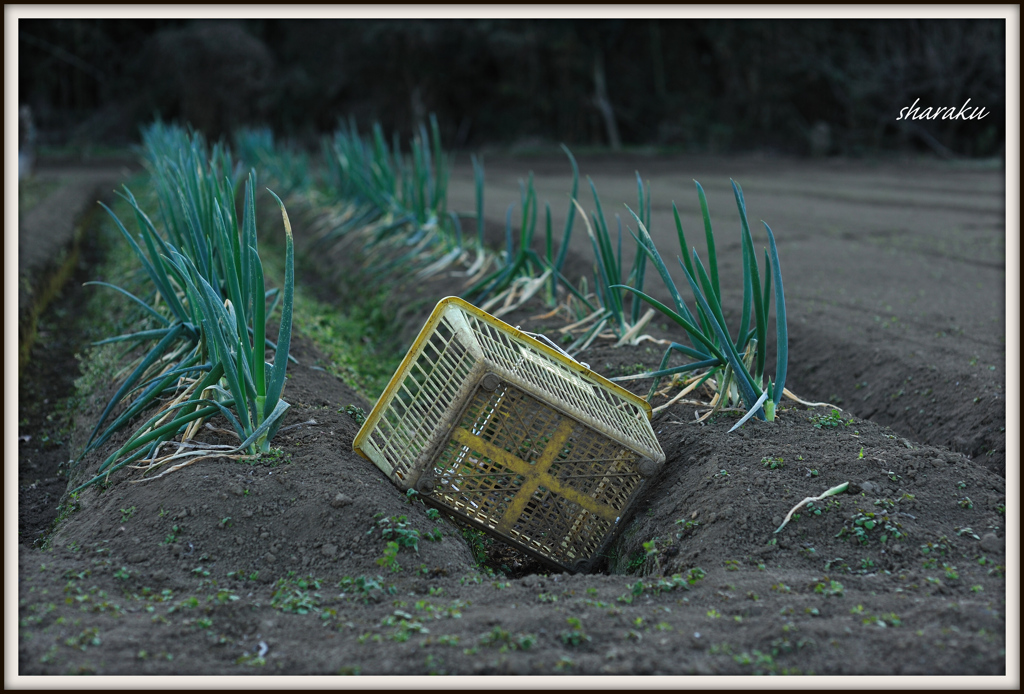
(795,86)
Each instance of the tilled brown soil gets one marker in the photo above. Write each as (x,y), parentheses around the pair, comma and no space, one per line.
(227,567)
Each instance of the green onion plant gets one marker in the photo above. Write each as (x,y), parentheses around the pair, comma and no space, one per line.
(286,168)
(205,306)
(395,204)
(739,359)
(478,268)
(521,271)
(616,310)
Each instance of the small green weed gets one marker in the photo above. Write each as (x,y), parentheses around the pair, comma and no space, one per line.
(358,414)
(275,456)
(189,603)
(828,421)
(223,597)
(686,527)
(173,536)
(88,637)
(504,641)
(389,560)
(240,575)
(407,626)
(575,635)
(565,662)
(251,659)
(296,594)
(398,534)
(833,588)
(863,523)
(694,575)
(478,543)
(883,620)
(939,546)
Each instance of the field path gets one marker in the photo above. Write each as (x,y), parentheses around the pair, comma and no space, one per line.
(48,226)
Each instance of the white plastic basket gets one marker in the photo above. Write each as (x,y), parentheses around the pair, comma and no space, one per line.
(513,436)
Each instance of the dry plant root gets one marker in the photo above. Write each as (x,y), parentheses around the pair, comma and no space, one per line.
(630,336)
(696,381)
(789,394)
(580,323)
(190,462)
(550,314)
(838,489)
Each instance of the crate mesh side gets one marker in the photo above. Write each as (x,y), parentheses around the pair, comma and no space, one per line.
(572,390)
(534,476)
(422,401)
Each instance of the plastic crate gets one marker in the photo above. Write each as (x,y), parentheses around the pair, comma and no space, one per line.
(512,436)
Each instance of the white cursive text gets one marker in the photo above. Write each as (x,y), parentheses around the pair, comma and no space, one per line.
(942,112)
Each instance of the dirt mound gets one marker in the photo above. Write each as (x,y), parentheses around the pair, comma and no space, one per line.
(721,593)
(317,507)
(725,494)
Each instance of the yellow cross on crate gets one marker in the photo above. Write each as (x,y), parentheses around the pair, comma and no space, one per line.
(537,474)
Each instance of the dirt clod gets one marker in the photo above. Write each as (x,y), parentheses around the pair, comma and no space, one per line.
(990,542)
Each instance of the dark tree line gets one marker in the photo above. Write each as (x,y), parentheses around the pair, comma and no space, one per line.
(798,86)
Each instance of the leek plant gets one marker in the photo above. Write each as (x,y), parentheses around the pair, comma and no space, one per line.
(483,259)
(397,205)
(208,304)
(738,361)
(286,168)
(616,311)
(521,271)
